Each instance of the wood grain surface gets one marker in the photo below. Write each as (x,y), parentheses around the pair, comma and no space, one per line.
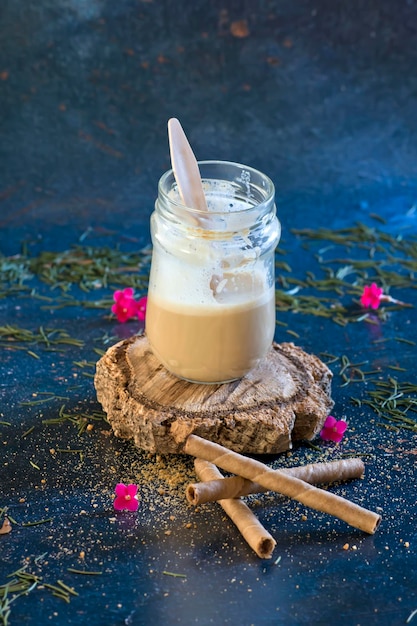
(285,398)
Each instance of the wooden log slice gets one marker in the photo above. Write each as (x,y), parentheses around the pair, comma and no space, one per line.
(285,398)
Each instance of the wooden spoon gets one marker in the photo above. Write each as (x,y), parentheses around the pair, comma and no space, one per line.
(185,167)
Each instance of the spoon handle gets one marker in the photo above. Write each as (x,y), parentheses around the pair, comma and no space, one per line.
(185,167)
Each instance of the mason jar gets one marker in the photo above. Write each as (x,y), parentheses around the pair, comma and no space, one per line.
(210,313)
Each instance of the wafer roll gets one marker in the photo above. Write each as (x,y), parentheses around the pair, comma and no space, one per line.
(276,480)
(248,524)
(236,486)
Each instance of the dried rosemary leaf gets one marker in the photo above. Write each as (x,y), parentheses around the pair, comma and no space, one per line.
(84,572)
(38,522)
(80,420)
(48,338)
(174,574)
(88,267)
(394,402)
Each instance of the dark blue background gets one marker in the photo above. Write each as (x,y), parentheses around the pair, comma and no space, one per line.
(321,96)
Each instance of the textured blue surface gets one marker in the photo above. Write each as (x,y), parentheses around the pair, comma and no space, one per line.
(321,96)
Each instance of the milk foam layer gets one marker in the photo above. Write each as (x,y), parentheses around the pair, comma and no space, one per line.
(203,284)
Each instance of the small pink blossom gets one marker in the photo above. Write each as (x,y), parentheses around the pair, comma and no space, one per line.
(333,430)
(125,306)
(141,308)
(126,497)
(371,296)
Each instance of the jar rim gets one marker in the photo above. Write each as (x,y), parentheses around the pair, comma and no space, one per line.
(268,187)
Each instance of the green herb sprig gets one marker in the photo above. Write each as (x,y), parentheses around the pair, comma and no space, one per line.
(393,401)
(79,420)
(49,338)
(88,267)
(24,582)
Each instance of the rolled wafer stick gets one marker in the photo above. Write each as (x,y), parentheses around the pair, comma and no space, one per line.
(222,488)
(248,524)
(315,473)
(276,480)
(236,486)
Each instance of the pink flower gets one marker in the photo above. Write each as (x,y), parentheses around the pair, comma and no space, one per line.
(125,306)
(141,308)
(126,497)
(333,430)
(371,296)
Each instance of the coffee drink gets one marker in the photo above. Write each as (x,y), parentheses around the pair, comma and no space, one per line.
(211,299)
(212,342)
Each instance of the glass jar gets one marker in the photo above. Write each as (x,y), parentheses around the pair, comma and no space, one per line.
(211,301)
